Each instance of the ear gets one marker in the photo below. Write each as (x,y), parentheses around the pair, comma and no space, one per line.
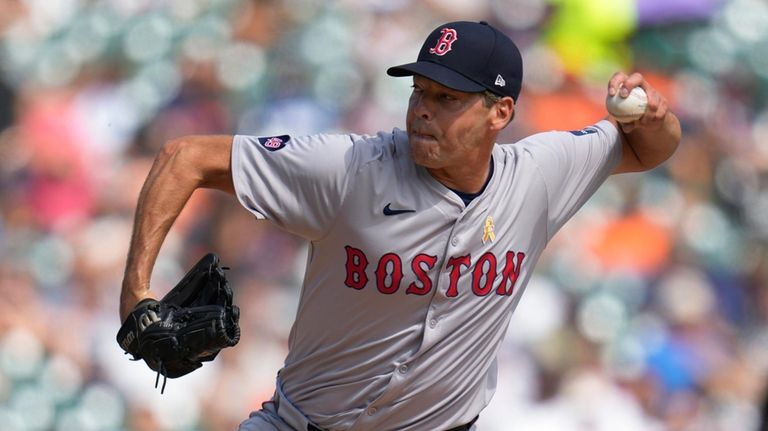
(502,112)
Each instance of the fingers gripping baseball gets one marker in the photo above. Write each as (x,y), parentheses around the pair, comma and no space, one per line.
(620,89)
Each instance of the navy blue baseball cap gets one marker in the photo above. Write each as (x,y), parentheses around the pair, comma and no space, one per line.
(468,56)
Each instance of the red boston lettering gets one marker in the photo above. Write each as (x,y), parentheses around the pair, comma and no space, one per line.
(421,274)
(511,273)
(396,273)
(389,273)
(456,263)
(356,264)
(490,274)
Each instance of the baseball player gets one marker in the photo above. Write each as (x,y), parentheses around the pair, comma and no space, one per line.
(421,240)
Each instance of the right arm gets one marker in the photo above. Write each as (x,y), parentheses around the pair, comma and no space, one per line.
(183,165)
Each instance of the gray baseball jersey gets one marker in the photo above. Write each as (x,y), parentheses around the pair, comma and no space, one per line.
(407,292)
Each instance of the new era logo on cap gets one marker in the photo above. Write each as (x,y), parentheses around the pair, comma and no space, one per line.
(470,57)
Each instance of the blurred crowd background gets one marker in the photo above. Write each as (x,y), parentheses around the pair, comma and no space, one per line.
(647,312)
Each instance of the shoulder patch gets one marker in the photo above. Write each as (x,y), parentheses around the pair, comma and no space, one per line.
(274,143)
(584,131)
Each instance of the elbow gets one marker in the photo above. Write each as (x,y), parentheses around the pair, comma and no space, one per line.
(173,150)
(179,148)
(178,157)
(173,147)
(201,160)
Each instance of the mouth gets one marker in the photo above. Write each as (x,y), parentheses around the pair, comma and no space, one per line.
(422,136)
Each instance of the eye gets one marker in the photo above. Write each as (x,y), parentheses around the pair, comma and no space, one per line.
(448,97)
(416,89)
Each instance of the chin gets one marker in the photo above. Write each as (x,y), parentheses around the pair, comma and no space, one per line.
(424,151)
(423,158)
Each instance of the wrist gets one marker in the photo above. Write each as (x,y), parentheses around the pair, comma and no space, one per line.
(131,294)
(134,281)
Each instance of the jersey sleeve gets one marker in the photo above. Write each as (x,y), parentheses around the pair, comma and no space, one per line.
(573,165)
(296,182)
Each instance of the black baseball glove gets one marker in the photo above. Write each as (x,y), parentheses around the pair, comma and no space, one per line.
(189,326)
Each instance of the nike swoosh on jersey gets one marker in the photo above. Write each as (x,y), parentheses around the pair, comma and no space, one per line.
(390,212)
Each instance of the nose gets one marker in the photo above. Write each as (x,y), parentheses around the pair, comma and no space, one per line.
(419,108)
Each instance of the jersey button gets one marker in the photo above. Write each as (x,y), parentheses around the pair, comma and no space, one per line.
(432,323)
(371,411)
(454,241)
(403,369)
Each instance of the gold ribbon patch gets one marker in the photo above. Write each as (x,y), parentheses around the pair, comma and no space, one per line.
(488,230)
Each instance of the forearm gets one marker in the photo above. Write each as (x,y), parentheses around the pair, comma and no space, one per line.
(161,200)
(180,168)
(653,146)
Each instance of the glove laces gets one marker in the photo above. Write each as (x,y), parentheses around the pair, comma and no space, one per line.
(164,372)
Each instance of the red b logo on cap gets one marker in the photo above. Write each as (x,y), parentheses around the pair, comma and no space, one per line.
(448,36)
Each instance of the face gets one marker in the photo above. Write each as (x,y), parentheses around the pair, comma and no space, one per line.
(447,127)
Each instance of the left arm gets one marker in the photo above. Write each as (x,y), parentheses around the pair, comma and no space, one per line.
(649,141)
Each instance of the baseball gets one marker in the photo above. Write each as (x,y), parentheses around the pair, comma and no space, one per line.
(627,109)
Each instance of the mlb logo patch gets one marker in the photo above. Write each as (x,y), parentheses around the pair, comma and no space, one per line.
(274,143)
(582,132)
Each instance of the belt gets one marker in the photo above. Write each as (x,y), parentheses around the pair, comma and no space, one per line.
(464,427)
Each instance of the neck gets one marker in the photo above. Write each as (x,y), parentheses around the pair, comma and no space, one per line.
(466,178)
